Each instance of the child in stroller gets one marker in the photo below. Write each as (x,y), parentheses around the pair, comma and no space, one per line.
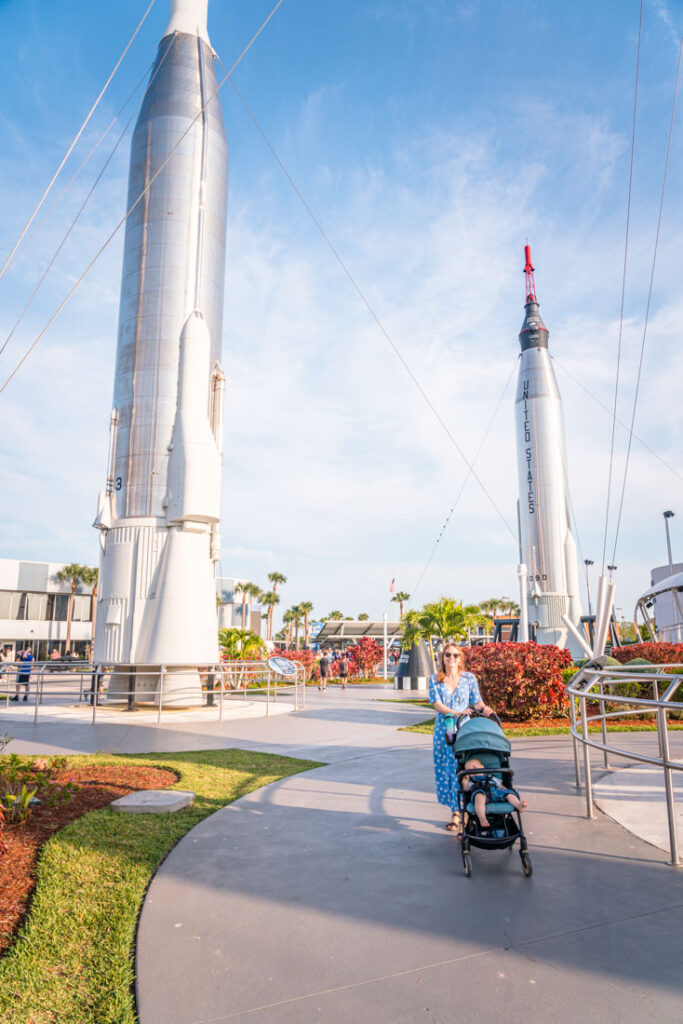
(482,753)
(484,789)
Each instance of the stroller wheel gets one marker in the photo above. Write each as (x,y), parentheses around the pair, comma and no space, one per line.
(527,866)
(467,864)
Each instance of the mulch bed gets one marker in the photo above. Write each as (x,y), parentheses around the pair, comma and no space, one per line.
(98,786)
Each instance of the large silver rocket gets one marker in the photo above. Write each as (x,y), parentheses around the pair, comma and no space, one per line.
(546,540)
(160,513)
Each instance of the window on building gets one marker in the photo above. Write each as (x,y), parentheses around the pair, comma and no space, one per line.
(22,606)
(81,612)
(36,607)
(61,607)
(5,604)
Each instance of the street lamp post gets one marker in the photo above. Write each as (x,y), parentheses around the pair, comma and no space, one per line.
(587,562)
(612,569)
(667,516)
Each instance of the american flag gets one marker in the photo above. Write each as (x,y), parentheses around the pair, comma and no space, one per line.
(392,586)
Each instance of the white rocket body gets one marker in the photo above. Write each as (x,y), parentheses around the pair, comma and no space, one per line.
(546,540)
(159,517)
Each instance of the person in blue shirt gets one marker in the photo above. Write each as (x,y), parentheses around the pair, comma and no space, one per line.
(451,691)
(24,676)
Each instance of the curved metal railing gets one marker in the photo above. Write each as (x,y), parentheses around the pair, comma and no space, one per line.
(159,688)
(598,694)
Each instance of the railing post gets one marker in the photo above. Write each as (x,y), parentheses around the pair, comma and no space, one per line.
(590,813)
(668,782)
(162,678)
(603,723)
(95,692)
(220,710)
(575,742)
(39,691)
(267,697)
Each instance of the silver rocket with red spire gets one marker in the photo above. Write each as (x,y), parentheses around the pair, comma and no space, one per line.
(159,516)
(547,544)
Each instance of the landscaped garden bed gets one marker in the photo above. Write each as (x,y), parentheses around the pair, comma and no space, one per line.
(92,787)
(72,957)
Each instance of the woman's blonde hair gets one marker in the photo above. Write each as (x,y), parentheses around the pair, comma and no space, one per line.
(441,674)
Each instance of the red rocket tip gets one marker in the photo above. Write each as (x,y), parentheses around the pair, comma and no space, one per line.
(529,273)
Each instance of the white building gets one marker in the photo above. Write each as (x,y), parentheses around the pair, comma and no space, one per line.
(230,606)
(34,607)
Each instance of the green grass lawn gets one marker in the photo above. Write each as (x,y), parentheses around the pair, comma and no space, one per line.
(552,730)
(72,962)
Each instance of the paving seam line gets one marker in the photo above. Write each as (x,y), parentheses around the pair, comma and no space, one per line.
(511,947)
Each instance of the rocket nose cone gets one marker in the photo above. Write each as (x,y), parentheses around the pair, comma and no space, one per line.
(534,333)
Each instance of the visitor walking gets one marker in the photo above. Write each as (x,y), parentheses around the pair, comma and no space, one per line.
(343,670)
(324,665)
(451,691)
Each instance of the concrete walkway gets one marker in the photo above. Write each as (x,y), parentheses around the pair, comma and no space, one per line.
(337,896)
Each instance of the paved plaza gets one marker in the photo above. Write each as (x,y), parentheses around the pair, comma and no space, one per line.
(336,895)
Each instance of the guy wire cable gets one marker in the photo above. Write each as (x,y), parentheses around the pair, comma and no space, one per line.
(77,137)
(620,422)
(623,288)
(78,170)
(464,483)
(74,221)
(128,212)
(366,302)
(649,299)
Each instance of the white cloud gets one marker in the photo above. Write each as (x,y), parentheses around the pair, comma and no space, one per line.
(336,472)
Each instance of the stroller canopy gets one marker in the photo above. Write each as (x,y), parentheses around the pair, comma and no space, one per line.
(480,734)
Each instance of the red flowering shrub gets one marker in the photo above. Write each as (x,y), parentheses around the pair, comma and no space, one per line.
(521,681)
(658,654)
(363,656)
(305,658)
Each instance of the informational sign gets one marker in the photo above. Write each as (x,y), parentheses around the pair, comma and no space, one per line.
(282,666)
(314,628)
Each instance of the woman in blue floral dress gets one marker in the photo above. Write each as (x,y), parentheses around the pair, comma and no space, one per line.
(451,691)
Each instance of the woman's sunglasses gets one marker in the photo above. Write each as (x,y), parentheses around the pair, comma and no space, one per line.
(448,655)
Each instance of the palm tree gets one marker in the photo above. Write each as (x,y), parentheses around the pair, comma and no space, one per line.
(254,592)
(93,582)
(401,597)
(363,617)
(297,619)
(246,590)
(275,578)
(239,644)
(442,620)
(269,600)
(74,574)
(336,614)
(306,608)
(287,621)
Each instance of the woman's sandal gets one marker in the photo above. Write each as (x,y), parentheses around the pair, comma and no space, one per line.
(454,825)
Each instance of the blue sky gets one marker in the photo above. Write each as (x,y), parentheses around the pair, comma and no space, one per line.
(430,137)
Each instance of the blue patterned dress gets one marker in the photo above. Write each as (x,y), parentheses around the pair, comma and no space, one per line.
(465,695)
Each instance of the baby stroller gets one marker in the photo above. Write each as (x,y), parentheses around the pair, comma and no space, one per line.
(474,735)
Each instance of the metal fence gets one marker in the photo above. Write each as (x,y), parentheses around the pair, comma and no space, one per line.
(162,688)
(598,695)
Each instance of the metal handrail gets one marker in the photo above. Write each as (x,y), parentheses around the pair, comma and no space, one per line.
(220,681)
(599,684)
